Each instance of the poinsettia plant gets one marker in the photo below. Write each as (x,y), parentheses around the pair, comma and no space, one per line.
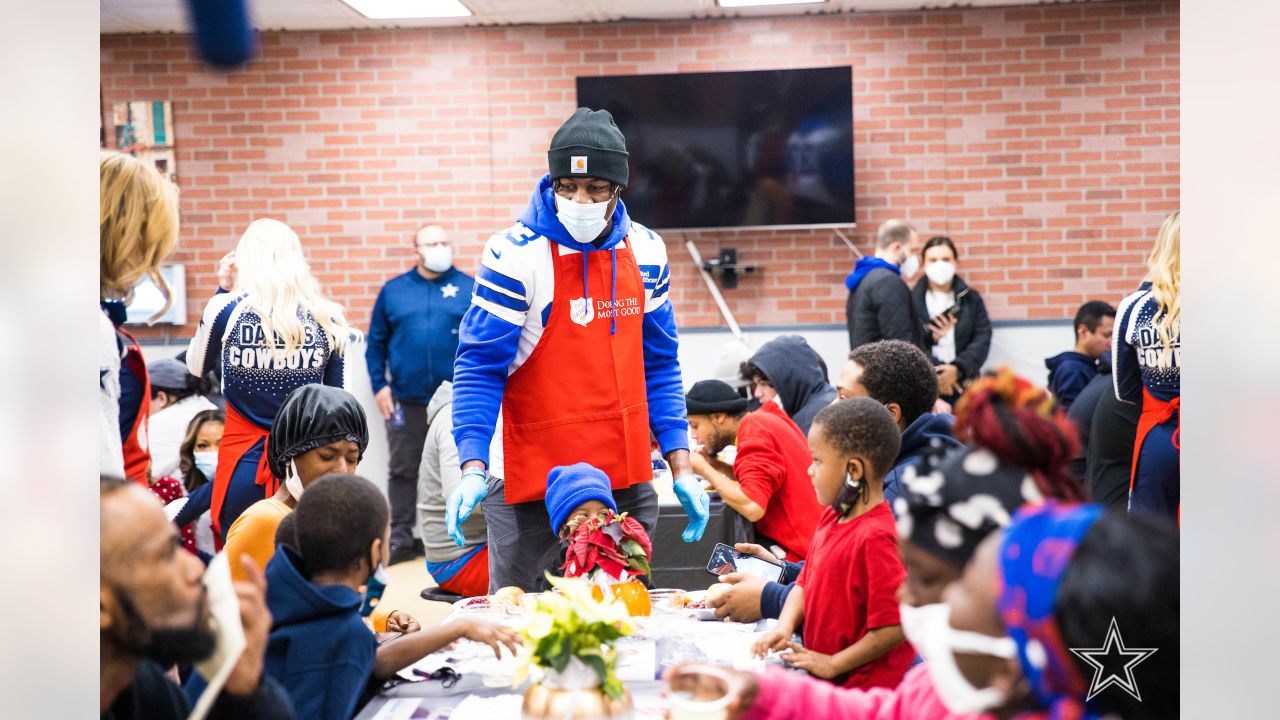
(612,543)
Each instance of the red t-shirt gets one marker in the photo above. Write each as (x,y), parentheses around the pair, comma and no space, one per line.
(772,466)
(850,586)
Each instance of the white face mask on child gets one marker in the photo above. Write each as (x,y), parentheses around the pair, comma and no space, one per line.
(928,629)
(293,483)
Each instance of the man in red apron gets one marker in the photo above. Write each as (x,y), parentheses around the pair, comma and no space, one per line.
(572,336)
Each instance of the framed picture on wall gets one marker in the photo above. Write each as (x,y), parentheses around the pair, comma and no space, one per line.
(144,129)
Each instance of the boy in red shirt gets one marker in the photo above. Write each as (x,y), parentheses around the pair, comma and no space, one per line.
(768,480)
(847,593)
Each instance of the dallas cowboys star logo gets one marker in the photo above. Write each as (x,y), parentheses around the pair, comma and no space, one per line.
(449,290)
(1098,658)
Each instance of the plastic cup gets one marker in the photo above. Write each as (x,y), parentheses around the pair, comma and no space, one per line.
(698,692)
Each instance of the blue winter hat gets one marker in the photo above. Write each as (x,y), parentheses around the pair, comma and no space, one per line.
(569,486)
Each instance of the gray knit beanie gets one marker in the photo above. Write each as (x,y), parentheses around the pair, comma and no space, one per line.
(589,144)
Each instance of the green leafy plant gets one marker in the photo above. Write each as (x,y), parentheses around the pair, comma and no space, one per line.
(571,623)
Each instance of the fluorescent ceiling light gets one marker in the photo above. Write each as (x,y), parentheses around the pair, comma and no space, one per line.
(759,3)
(407,9)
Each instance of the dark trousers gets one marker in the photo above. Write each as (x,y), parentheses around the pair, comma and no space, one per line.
(522,544)
(405,443)
(1156,485)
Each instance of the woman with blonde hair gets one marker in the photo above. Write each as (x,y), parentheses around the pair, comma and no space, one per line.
(138,229)
(272,333)
(1147,348)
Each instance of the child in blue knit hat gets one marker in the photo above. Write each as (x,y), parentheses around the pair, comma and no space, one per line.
(575,493)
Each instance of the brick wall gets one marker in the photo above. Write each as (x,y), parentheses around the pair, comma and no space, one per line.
(1043,139)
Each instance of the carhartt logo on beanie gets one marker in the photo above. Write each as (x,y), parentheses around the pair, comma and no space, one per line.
(589,144)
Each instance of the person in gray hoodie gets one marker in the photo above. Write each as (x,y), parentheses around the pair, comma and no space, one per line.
(787,368)
(462,570)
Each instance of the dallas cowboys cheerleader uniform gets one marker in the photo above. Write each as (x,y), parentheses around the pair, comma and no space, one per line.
(1136,347)
(255,381)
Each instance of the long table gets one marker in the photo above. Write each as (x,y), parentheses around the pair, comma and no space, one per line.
(661,640)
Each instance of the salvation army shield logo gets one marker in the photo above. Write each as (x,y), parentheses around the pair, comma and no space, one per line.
(580,311)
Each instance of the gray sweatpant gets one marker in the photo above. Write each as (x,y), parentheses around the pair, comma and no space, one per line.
(521,542)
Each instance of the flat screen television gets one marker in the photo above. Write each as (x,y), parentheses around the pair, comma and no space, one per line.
(761,148)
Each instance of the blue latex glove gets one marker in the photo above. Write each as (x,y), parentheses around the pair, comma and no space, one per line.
(473,488)
(696,504)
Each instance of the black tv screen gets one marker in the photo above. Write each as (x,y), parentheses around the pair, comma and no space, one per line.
(734,149)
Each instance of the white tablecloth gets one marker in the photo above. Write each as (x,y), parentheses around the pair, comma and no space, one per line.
(661,640)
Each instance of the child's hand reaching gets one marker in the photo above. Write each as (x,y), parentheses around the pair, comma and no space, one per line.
(773,640)
(495,636)
(815,663)
(402,622)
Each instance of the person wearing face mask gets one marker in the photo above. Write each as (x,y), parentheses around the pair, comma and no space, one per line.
(845,595)
(571,334)
(319,430)
(1007,416)
(176,397)
(957,330)
(198,457)
(413,337)
(1000,645)
(879,305)
(198,461)
(154,613)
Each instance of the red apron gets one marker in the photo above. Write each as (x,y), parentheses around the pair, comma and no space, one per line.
(581,396)
(1155,412)
(238,437)
(136,445)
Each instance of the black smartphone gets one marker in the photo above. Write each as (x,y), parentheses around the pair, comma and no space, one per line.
(725,560)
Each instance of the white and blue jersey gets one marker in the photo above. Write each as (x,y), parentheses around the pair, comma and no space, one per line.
(256,377)
(1136,349)
(510,307)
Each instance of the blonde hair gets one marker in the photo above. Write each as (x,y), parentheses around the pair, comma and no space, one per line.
(272,271)
(1166,285)
(137,225)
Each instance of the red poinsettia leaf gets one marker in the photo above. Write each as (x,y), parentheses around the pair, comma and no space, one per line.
(612,567)
(635,531)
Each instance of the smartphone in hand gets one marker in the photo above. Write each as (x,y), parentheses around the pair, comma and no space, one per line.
(725,560)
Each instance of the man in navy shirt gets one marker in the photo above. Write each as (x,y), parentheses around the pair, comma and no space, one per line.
(413,337)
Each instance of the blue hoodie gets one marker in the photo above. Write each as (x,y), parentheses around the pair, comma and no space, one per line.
(864,266)
(488,344)
(1069,373)
(319,648)
(916,439)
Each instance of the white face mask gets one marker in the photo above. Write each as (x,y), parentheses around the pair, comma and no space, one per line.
(584,221)
(909,265)
(928,629)
(207,463)
(293,483)
(941,272)
(437,258)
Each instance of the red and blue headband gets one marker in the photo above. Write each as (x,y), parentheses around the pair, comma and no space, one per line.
(1035,552)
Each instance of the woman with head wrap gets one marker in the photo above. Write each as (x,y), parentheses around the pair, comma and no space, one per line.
(318,431)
